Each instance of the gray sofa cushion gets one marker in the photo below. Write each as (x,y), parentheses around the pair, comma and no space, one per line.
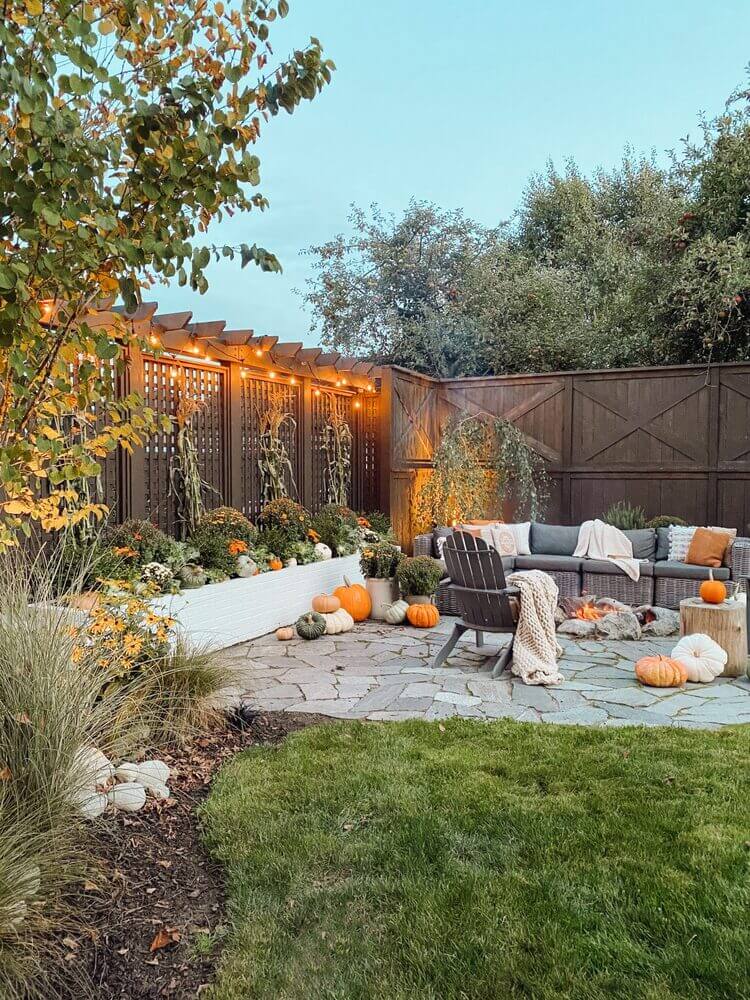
(662,543)
(553,539)
(643,541)
(683,571)
(564,564)
(603,566)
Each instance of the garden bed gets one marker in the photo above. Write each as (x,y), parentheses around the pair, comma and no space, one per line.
(223,614)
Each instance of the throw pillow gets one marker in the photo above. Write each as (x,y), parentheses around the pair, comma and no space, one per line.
(521,531)
(707,547)
(679,541)
(504,539)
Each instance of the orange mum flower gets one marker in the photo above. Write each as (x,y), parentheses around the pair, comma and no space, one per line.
(236,546)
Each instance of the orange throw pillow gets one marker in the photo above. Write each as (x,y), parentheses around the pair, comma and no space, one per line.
(707,547)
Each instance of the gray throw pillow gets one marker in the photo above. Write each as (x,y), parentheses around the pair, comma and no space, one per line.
(643,541)
(662,543)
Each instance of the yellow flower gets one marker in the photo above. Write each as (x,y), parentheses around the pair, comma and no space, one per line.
(132,644)
(78,654)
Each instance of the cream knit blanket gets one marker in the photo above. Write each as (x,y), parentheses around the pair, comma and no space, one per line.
(535,647)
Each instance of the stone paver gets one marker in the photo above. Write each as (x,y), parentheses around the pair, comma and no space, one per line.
(384,673)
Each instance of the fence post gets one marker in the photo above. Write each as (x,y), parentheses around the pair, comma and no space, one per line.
(134,467)
(233,438)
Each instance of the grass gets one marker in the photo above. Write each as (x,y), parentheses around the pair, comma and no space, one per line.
(419,861)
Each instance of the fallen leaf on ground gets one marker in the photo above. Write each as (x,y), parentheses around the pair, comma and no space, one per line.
(163,938)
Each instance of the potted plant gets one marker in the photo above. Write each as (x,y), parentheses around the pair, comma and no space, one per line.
(418,577)
(379,563)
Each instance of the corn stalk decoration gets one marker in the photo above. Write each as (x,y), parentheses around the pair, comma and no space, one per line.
(337,445)
(273,458)
(186,483)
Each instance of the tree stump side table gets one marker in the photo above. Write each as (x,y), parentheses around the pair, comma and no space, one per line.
(724,623)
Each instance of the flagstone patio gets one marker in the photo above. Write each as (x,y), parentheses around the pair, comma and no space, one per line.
(381,672)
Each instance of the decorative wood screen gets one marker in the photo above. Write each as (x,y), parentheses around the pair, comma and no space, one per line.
(256,394)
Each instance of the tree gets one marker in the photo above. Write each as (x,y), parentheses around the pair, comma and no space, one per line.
(125,129)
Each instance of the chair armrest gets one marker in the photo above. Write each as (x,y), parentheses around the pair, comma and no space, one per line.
(508,591)
(740,558)
(423,545)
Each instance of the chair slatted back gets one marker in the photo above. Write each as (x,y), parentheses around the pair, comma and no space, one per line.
(478,579)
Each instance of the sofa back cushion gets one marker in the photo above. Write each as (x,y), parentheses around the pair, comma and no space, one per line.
(553,539)
(643,541)
(662,543)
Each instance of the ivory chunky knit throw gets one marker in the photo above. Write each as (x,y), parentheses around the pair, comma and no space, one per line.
(535,647)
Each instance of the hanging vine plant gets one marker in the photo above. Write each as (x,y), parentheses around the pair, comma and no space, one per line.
(186,483)
(479,464)
(337,445)
(273,458)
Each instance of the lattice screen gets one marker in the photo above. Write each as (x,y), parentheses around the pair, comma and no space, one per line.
(256,396)
(162,383)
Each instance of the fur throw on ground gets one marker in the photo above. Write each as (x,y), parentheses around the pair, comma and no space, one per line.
(535,647)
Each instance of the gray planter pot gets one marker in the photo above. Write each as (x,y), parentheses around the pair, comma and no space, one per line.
(418,599)
(382,593)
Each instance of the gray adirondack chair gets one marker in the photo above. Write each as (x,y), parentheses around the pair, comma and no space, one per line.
(483,597)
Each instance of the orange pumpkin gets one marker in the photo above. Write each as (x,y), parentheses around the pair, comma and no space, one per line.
(325,604)
(285,633)
(423,615)
(660,671)
(712,591)
(275,563)
(354,599)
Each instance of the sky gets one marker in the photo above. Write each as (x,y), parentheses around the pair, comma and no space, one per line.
(460,103)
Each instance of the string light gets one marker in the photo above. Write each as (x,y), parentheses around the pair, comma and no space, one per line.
(243,372)
(357,404)
(370,388)
(338,381)
(343,381)
(272,374)
(195,349)
(173,373)
(258,352)
(154,340)
(317,392)
(292,380)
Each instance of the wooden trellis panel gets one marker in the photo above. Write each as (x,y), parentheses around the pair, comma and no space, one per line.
(162,383)
(256,394)
(321,404)
(365,455)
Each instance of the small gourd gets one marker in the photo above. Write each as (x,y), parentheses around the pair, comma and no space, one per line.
(311,626)
(325,604)
(395,614)
(660,671)
(191,575)
(285,633)
(703,658)
(355,599)
(322,551)
(712,591)
(275,564)
(338,621)
(423,615)
(246,567)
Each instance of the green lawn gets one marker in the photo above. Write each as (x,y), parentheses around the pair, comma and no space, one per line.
(412,861)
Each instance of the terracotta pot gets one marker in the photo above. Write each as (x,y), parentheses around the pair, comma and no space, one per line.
(418,599)
(382,592)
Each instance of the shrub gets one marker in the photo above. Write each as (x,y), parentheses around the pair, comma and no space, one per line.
(664,521)
(380,560)
(303,552)
(337,528)
(624,516)
(220,537)
(378,522)
(288,516)
(158,574)
(419,576)
(275,541)
(149,543)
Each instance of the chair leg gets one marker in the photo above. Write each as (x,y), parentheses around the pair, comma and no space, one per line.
(501,661)
(445,652)
(480,638)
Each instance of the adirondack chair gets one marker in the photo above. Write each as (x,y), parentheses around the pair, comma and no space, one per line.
(483,597)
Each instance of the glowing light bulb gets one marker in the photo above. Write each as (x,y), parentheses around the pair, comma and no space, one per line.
(292,380)
(272,374)
(357,404)
(258,352)
(154,340)
(317,392)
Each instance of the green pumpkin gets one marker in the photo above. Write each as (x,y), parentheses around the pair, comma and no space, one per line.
(395,613)
(311,626)
(191,575)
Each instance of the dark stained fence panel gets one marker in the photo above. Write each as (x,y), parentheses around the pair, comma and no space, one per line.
(257,394)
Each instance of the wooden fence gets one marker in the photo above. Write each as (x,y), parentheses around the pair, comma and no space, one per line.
(226,436)
(675,440)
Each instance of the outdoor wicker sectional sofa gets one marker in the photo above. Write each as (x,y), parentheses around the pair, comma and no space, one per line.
(662,582)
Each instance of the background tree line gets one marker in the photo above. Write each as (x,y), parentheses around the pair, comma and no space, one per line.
(638,265)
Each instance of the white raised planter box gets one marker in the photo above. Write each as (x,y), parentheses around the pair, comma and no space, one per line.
(223,614)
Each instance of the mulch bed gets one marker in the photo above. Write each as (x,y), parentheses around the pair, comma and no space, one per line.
(159,894)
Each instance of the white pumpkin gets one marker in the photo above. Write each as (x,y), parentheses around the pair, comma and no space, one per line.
(92,768)
(130,796)
(322,551)
(152,774)
(246,566)
(291,562)
(395,613)
(338,621)
(703,658)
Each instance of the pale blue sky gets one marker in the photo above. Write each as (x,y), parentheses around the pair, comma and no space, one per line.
(459,103)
